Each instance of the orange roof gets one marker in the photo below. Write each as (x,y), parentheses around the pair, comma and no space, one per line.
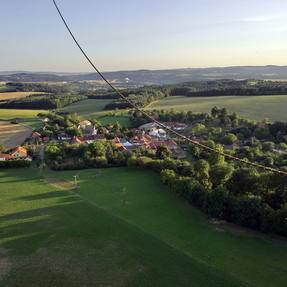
(21,149)
(35,134)
(5,156)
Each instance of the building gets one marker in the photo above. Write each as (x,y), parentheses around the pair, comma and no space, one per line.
(19,153)
(5,157)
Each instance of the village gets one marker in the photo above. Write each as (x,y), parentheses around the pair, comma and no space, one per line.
(148,136)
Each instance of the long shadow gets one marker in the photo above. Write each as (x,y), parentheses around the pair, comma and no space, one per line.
(47,195)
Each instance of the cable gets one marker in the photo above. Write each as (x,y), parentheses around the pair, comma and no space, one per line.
(193,142)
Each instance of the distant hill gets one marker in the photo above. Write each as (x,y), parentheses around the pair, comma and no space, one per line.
(156,77)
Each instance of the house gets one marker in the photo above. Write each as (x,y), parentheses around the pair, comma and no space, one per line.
(84,124)
(35,137)
(158,133)
(77,140)
(140,140)
(176,126)
(19,153)
(5,157)
(149,126)
(64,137)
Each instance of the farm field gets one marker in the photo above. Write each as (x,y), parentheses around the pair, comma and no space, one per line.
(252,107)
(17,95)
(87,107)
(124,224)
(8,114)
(54,237)
(94,109)
(13,135)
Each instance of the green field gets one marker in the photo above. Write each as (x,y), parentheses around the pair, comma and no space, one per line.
(88,108)
(94,109)
(122,228)
(252,107)
(8,114)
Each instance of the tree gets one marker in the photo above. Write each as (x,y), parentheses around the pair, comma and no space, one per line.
(201,171)
(230,139)
(214,112)
(163,152)
(98,148)
(168,177)
(220,174)
(216,202)
(244,181)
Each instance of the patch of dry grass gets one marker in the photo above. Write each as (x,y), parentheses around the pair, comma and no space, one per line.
(17,95)
(12,135)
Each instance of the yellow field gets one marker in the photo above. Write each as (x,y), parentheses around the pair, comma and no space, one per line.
(16,95)
(13,135)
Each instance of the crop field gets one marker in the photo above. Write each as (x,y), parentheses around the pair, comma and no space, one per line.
(13,135)
(17,95)
(121,227)
(252,107)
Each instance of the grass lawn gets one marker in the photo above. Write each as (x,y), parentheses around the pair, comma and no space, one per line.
(54,237)
(252,107)
(138,198)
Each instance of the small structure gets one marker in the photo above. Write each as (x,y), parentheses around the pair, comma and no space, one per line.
(19,153)
(158,133)
(64,137)
(5,157)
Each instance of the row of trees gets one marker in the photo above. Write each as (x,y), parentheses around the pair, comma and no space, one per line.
(229,87)
(46,102)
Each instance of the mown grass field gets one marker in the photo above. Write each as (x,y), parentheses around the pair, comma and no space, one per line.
(13,135)
(122,227)
(17,95)
(94,109)
(252,107)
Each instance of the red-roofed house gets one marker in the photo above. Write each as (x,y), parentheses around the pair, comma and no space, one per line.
(19,153)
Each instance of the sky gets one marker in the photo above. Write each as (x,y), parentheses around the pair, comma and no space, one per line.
(142,34)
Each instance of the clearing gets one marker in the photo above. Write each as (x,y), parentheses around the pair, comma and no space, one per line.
(121,227)
(251,107)
(12,135)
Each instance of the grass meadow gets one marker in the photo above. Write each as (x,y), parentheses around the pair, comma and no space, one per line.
(121,227)
(94,109)
(251,107)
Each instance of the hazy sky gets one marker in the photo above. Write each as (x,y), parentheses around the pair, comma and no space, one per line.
(136,34)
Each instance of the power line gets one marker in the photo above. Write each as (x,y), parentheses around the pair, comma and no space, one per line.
(193,142)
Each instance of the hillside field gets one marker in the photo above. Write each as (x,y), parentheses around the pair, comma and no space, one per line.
(251,107)
(121,227)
